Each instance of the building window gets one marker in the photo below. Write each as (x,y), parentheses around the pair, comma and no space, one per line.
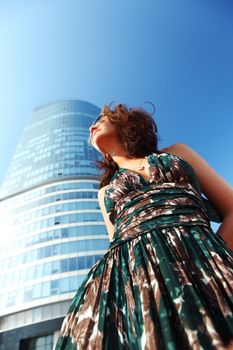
(39,343)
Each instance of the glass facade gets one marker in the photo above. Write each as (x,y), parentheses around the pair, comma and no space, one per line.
(41,343)
(52,230)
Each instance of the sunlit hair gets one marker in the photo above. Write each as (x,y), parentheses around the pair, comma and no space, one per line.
(137,131)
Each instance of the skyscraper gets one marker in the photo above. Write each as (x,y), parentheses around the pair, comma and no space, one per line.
(52,230)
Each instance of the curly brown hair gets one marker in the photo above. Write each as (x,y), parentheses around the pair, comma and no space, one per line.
(138,132)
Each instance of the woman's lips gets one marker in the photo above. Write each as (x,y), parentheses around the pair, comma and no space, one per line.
(94,132)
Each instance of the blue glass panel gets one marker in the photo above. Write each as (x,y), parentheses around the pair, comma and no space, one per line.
(64,285)
(89,261)
(45,289)
(73,283)
(73,264)
(81,262)
(64,265)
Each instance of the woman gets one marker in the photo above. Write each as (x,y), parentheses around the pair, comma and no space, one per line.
(166,281)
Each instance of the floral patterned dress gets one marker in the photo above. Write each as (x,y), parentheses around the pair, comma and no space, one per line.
(166,281)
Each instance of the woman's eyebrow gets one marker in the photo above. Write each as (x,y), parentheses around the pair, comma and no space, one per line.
(97,118)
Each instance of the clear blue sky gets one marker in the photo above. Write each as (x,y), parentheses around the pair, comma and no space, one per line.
(176,54)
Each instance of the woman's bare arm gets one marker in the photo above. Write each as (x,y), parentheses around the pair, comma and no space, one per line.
(109,225)
(215,188)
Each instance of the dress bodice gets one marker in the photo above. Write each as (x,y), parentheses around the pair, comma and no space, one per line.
(169,174)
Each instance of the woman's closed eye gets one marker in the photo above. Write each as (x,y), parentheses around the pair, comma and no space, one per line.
(98,119)
(98,123)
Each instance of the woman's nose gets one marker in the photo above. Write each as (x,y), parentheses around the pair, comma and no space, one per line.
(92,127)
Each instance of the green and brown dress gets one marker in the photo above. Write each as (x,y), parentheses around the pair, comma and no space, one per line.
(166,281)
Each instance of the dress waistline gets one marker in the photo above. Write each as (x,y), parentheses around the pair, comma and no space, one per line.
(147,213)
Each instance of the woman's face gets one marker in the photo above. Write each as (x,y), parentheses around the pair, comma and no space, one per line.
(103,134)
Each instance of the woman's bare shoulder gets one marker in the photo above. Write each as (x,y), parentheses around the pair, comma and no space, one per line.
(172,148)
(182,150)
(212,184)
